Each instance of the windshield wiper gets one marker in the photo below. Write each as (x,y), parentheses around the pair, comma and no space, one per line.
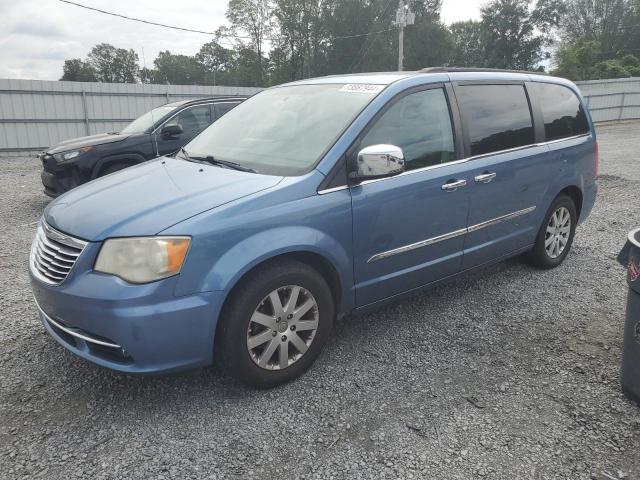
(214,161)
(183,154)
(225,163)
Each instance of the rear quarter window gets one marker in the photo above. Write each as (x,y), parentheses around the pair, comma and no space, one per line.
(562,112)
(497,117)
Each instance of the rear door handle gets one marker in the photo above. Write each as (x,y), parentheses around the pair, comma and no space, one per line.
(485,177)
(453,185)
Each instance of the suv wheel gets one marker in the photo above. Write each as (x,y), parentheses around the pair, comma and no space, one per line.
(275,324)
(556,234)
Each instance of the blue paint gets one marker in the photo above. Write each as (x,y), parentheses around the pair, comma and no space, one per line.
(237,220)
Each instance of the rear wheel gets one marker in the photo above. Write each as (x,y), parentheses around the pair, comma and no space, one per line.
(555,237)
(275,324)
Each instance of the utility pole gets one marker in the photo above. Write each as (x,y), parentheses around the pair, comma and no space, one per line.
(404,17)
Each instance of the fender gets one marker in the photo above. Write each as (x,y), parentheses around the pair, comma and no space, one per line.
(100,164)
(231,266)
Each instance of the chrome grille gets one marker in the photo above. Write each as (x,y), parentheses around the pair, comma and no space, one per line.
(53,254)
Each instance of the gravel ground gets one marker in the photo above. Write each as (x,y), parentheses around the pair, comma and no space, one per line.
(511,373)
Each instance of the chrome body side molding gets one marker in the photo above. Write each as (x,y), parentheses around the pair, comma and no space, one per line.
(503,218)
(450,235)
(420,244)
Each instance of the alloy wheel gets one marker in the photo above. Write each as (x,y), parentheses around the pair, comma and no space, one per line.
(282,327)
(558,231)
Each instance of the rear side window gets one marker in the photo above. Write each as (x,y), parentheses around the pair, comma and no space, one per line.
(561,111)
(420,124)
(497,117)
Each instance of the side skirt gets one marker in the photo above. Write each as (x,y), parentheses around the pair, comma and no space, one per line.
(380,303)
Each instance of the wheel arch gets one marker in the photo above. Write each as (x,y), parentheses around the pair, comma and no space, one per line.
(129,158)
(575,193)
(320,263)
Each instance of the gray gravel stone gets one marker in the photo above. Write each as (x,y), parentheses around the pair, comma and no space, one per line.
(510,373)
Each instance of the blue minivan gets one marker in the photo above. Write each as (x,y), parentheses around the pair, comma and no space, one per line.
(308,202)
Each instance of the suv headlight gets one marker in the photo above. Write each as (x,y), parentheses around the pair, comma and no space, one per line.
(71,154)
(142,259)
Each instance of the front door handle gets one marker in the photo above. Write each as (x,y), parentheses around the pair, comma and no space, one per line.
(453,185)
(485,177)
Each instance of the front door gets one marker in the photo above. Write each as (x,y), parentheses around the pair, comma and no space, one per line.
(409,229)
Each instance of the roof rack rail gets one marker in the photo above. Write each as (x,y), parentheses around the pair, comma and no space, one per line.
(472,69)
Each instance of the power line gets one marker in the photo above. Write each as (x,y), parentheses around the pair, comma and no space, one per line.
(192,30)
(148,22)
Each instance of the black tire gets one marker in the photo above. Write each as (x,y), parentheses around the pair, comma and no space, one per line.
(539,257)
(113,167)
(231,349)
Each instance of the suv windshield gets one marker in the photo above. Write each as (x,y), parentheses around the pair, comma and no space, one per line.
(283,130)
(145,121)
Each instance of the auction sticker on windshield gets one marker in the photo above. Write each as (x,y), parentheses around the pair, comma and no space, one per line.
(362,88)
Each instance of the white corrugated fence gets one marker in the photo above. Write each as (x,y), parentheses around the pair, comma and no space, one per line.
(35,114)
(612,99)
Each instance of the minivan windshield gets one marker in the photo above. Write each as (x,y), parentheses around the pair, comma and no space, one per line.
(145,121)
(283,130)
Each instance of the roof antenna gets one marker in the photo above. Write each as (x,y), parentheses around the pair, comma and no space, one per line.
(153,121)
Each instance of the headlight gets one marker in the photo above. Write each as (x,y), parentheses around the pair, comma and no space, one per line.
(142,259)
(71,154)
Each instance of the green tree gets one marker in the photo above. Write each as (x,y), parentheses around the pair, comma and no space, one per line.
(467,49)
(77,70)
(217,63)
(346,53)
(514,32)
(300,38)
(577,60)
(176,69)
(247,70)
(114,65)
(614,24)
(428,42)
(255,19)
(582,60)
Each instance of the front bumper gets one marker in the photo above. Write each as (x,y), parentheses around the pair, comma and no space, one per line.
(128,328)
(57,179)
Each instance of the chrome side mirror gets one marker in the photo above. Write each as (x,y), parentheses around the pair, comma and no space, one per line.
(378,161)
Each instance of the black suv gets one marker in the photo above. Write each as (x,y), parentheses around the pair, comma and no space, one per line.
(162,131)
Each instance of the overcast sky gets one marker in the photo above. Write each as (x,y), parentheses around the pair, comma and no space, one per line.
(38,35)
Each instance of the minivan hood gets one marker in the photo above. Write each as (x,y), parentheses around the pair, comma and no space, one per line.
(148,198)
(92,140)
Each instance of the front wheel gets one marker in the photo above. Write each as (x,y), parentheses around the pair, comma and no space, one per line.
(555,237)
(275,324)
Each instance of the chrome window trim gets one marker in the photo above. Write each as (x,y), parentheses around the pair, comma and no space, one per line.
(333,189)
(73,333)
(450,235)
(573,137)
(456,162)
